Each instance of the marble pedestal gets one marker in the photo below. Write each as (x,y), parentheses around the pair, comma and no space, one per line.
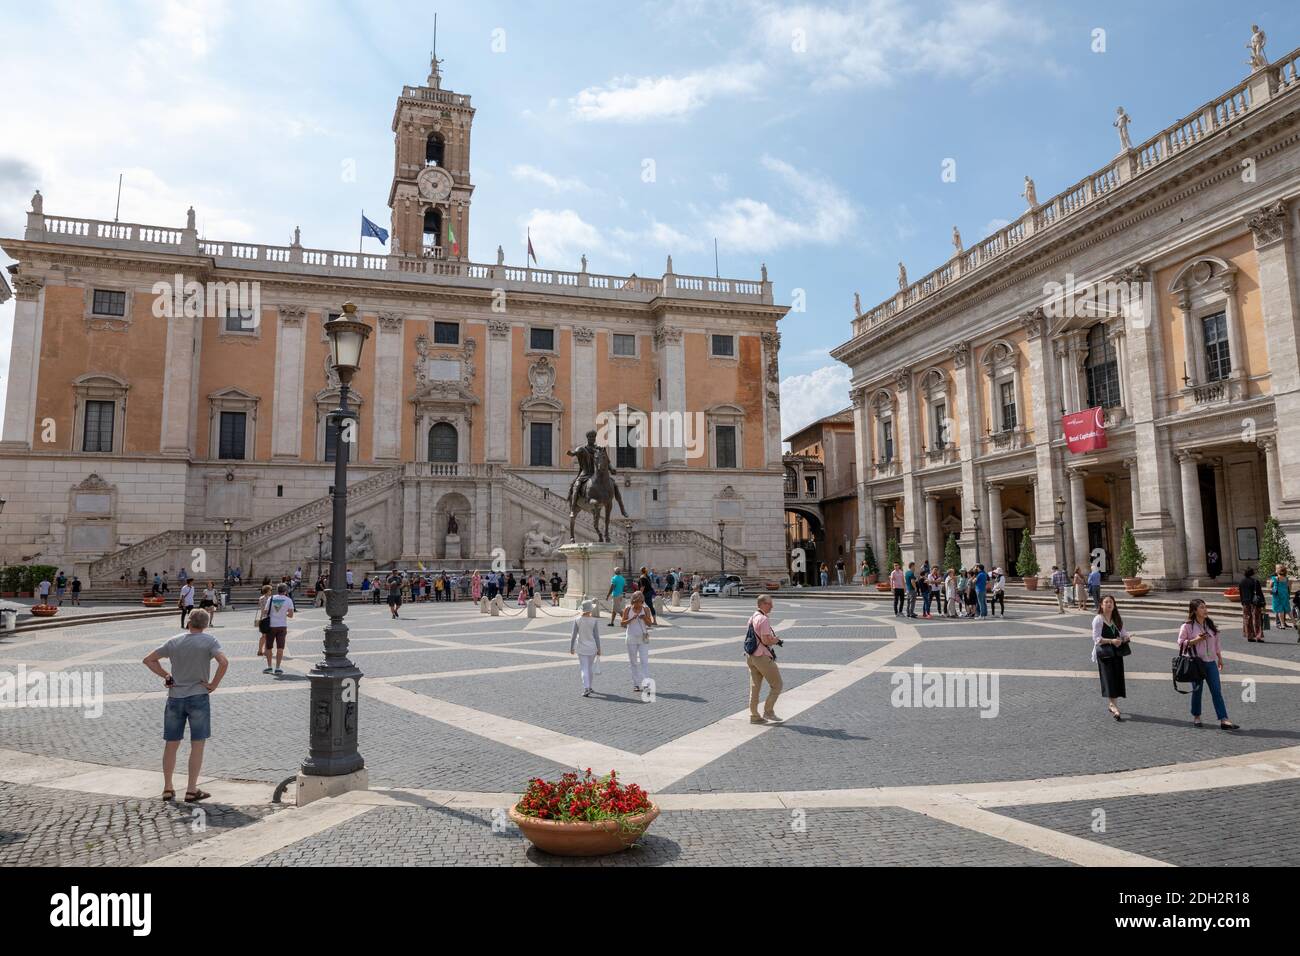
(591,565)
(451,547)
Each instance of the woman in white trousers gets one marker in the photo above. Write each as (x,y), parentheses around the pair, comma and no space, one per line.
(637,621)
(586,643)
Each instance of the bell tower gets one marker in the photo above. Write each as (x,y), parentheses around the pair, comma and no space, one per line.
(431,188)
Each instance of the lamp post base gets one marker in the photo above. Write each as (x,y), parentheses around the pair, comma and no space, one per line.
(311,788)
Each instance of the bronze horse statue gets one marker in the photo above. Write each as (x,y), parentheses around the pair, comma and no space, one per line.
(600,491)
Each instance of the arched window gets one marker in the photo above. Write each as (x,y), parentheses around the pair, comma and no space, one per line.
(443,444)
(435,148)
(1102,369)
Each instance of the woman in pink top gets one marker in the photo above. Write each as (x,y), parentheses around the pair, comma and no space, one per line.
(1200,636)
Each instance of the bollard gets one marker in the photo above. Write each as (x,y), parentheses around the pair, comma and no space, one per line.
(495,607)
(695,600)
(677,599)
(532,609)
(483,604)
(659,604)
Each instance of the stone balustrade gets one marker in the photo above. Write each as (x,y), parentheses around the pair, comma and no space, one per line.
(1279,78)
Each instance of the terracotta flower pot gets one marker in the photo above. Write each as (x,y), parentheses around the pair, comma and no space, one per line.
(772,585)
(1031,583)
(872,579)
(152,602)
(584,839)
(1233,595)
(883,586)
(44,610)
(1135,587)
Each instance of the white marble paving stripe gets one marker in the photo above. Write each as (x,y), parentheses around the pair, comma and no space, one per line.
(268,835)
(1228,678)
(1228,655)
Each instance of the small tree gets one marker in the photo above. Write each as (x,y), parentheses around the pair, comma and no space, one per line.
(1132,559)
(893,554)
(951,553)
(1274,549)
(869,556)
(1027,561)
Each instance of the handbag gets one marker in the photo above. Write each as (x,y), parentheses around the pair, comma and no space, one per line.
(1187,669)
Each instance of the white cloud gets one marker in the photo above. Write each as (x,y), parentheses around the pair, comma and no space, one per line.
(751,225)
(630,99)
(531,174)
(561,237)
(806,398)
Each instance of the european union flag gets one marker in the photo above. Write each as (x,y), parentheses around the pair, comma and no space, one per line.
(368,228)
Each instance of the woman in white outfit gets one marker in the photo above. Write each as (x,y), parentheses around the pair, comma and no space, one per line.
(586,643)
(637,620)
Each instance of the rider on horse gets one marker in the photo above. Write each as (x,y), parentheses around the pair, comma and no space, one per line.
(586,455)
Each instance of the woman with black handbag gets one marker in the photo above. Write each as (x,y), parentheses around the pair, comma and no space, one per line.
(1200,637)
(1109,648)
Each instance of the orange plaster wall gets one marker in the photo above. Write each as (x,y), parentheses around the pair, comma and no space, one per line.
(712,382)
(244,364)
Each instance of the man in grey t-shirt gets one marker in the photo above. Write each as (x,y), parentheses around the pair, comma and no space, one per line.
(188,686)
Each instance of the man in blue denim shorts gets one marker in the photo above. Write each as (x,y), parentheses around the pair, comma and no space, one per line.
(188,686)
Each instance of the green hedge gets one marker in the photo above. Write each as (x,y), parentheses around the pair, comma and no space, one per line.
(18,577)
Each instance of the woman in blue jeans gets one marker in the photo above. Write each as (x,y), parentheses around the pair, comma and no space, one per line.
(1200,636)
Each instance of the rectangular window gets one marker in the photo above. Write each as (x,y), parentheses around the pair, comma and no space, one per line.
(332,442)
(539,445)
(887,440)
(940,437)
(726,445)
(108,303)
(624,344)
(1218,358)
(446,333)
(231,442)
(98,432)
(239,320)
(1007,390)
(541,340)
(625,456)
(723,345)
(810,483)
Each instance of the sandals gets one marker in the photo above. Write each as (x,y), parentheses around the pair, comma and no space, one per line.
(169,795)
(1228,725)
(194,796)
(1114,712)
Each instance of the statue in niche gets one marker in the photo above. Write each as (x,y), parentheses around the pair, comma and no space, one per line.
(452,526)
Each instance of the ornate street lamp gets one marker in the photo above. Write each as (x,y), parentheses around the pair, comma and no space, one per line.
(1060,526)
(627,524)
(225,585)
(320,545)
(975,519)
(335,680)
(722,554)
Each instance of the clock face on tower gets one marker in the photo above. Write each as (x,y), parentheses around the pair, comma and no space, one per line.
(434,184)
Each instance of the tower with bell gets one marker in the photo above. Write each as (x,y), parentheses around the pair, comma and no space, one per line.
(431,189)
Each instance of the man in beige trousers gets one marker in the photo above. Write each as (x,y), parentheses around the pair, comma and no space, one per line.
(762,665)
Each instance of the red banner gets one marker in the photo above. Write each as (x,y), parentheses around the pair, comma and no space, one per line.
(1085,431)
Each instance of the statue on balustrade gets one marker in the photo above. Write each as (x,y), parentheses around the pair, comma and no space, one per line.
(1256,48)
(956,240)
(902,277)
(1121,124)
(1030,194)
(38,204)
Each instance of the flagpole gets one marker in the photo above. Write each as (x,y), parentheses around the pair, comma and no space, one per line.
(361,238)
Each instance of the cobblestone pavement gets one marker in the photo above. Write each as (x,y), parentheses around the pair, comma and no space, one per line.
(44,827)
(455,702)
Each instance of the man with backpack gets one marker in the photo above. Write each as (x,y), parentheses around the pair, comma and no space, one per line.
(760,655)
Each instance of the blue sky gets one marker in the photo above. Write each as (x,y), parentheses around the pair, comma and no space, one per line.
(807,136)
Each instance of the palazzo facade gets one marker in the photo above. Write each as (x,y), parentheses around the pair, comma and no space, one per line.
(130,438)
(1163,289)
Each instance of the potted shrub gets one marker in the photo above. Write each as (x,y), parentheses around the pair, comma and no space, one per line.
(25,583)
(44,610)
(893,556)
(582,814)
(9,578)
(1274,549)
(1132,560)
(1027,563)
(951,554)
(873,571)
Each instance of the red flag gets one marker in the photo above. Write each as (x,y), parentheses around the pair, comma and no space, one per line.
(1085,431)
(531,255)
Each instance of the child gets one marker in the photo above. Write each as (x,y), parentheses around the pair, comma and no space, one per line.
(586,643)
(523,597)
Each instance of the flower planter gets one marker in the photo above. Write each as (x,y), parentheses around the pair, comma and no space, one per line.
(44,610)
(1031,583)
(872,579)
(8,594)
(1233,595)
(152,602)
(584,839)
(883,586)
(772,585)
(1135,587)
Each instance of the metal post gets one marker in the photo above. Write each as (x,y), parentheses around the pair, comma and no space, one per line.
(722,553)
(335,680)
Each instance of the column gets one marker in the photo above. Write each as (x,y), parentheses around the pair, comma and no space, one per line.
(1231,319)
(672,373)
(861,472)
(498,414)
(1045,414)
(583,394)
(1134,489)
(1193,520)
(967,399)
(24,365)
(1121,356)
(772,398)
(1114,527)
(290,359)
(389,415)
(1274,471)
(934,533)
(182,356)
(997,540)
(909,542)
(1192,356)
(881,551)
(1079,519)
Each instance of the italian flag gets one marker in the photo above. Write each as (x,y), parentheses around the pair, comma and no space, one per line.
(451,237)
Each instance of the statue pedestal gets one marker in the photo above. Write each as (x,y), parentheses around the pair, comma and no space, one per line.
(591,565)
(451,547)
